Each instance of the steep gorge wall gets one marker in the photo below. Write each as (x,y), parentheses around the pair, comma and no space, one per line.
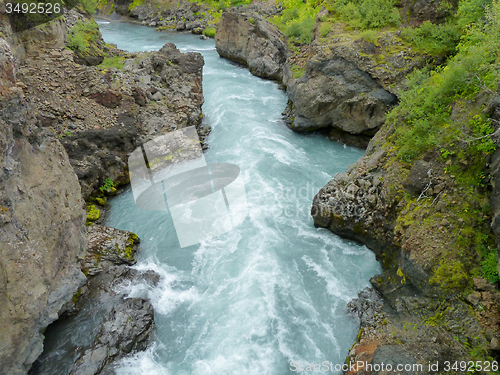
(42,219)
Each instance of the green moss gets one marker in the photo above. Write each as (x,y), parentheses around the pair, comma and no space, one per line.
(129,249)
(93,214)
(77,295)
(135,4)
(451,274)
(101,201)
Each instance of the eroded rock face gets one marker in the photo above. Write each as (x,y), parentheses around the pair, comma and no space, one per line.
(406,213)
(253,41)
(126,328)
(41,226)
(107,246)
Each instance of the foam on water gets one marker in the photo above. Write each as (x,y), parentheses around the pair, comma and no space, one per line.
(272,290)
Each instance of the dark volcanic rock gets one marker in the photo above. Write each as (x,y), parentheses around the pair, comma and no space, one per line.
(127,328)
(336,93)
(253,41)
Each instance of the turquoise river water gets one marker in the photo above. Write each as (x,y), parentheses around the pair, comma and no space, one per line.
(272,291)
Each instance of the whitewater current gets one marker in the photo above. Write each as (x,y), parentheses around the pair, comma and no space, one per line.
(272,293)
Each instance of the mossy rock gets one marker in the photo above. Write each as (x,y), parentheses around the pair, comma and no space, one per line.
(93,214)
(101,201)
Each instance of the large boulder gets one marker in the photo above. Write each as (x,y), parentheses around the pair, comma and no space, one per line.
(253,41)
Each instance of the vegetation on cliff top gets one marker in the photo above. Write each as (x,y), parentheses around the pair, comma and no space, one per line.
(445,112)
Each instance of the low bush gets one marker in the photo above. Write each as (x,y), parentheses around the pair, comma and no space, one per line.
(422,120)
(81,35)
(368,14)
(301,29)
(434,39)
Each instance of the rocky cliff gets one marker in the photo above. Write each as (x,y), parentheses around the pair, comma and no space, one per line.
(42,219)
(101,115)
(415,216)
(60,116)
(350,83)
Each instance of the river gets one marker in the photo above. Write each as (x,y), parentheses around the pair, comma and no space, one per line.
(273,290)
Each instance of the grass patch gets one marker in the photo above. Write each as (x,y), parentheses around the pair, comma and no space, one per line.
(112,62)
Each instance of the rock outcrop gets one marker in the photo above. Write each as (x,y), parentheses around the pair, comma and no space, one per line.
(117,325)
(129,323)
(41,225)
(125,329)
(251,40)
(101,118)
(349,83)
(426,10)
(413,217)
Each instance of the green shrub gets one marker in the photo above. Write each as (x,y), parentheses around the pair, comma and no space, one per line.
(107,185)
(434,39)
(221,5)
(325,28)
(90,6)
(289,14)
(470,11)
(81,35)
(77,42)
(301,29)
(210,32)
(368,14)
(489,267)
(423,117)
